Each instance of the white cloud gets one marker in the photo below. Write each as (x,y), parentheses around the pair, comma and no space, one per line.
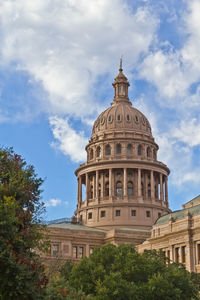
(68,140)
(67,45)
(188,132)
(53,202)
(173,71)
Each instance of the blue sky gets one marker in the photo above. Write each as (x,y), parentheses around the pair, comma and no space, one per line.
(58,60)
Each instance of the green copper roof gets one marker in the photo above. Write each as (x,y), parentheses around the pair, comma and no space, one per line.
(194,200)
(75,227)
(179,214)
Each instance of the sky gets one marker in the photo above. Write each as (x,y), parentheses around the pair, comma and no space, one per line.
(58,60)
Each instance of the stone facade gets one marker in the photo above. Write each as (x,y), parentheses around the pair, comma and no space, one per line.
(178,235)
(126,192)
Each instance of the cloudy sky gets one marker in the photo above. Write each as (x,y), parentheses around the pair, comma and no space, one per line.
(58,60)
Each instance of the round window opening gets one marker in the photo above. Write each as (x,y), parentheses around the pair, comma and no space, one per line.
(110,119)
(128,118)
(119,118)
(102,120)
(136,119)
(143,121)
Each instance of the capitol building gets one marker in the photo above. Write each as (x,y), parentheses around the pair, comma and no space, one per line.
(122,193)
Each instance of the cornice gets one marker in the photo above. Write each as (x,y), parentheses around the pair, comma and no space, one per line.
(126,163)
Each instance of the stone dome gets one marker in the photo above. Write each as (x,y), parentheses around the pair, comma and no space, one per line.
(121,116)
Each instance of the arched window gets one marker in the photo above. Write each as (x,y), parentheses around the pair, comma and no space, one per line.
(108,150)
(91,153)
(129,149)
(107,189)
(139,150)
(91,192)
(98,151)
(99,190)
(142,186)
(148,152)
(156,191)
(149,190)
(130,188)
(119,189)
(118,149)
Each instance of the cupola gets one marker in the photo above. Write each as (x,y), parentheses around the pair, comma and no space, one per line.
(120,85)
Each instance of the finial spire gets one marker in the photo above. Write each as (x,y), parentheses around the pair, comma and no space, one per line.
(120,64)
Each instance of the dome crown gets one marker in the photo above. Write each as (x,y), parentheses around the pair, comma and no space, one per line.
(121,85)
(121,115)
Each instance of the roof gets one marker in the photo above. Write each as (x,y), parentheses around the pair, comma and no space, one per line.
(179,214)
(193,201)
(65,225)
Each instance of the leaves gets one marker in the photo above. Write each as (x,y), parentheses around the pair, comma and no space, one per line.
(121,273)
(21,273)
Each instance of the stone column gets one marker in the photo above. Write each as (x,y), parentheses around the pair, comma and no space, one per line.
(97,184)
(139,183)
(78,198)
(145,184)
(110,182)
(80,190)
(86,187)
(166,191)
(113,183)
(161,187)
(93,184)
(152,186)
(102,185)
(125,182)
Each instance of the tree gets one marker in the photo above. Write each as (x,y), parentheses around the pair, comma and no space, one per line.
(21,272)
(122,273)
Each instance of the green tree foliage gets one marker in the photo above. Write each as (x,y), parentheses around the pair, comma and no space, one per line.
(21,273)
(122,273)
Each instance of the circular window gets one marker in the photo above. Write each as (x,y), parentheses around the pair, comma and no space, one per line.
(102,120)
(128,118)
(136,119)
(96,123)
(143,121)
(110,119)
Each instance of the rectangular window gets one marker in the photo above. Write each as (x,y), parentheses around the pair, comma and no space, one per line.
(119,192)
(133,212)
(117,213)
(80,252)
(74,254)
(91,250)
(183,252)
(198,253)
(148,214)
(177,255)
(55,250)
(103,213)
(90,215)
